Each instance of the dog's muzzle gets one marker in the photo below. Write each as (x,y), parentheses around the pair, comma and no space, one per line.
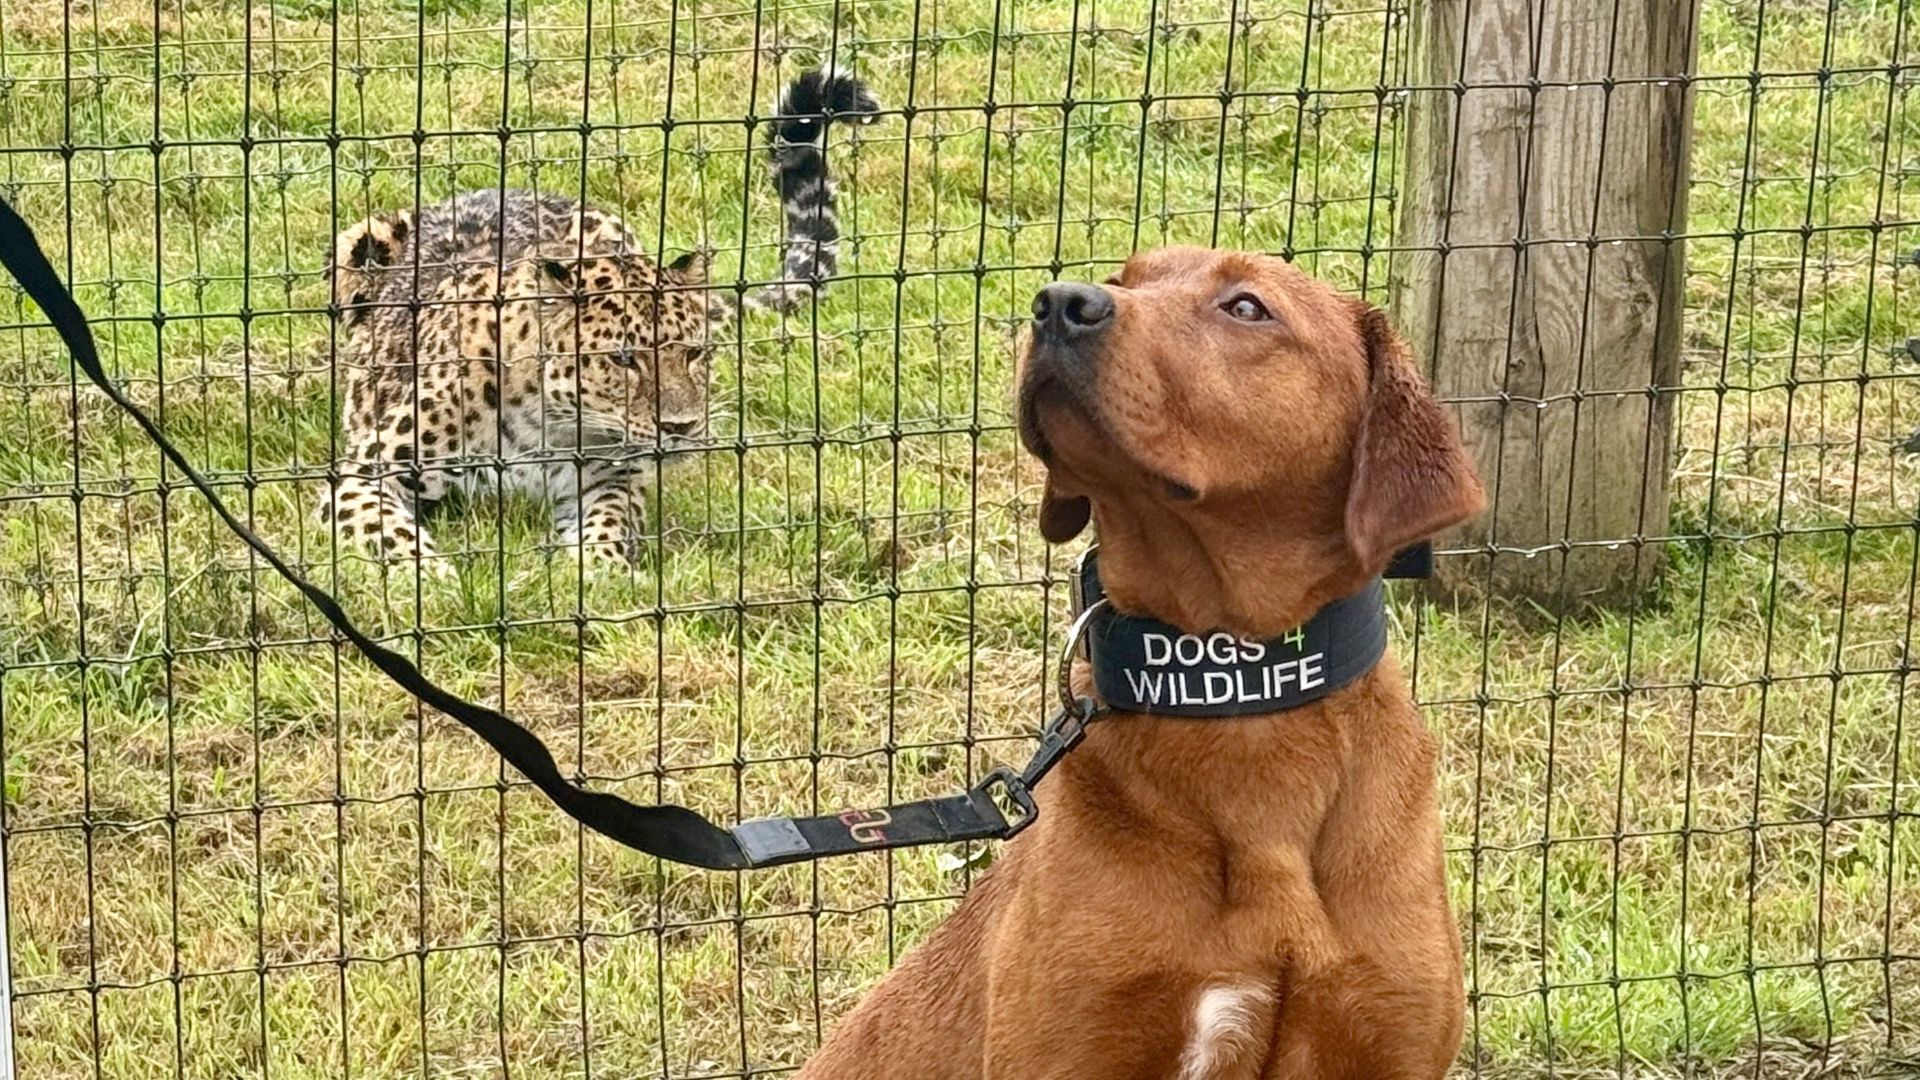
(1069,321)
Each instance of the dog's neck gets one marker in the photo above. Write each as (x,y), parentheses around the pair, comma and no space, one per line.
(1249,580)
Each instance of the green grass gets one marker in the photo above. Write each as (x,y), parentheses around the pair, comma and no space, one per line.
(1601,776)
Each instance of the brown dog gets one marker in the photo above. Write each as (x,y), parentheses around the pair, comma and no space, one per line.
(1212,899)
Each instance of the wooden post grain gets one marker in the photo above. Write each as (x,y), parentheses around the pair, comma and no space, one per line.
(1547,177)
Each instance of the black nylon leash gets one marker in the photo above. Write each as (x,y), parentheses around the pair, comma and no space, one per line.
(674,833)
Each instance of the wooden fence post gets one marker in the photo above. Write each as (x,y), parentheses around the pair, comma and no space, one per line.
(1547,176)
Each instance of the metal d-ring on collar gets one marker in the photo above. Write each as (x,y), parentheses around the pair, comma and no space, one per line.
(1076,634)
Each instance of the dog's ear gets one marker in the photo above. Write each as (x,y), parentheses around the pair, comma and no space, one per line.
(1062,516)
(1411,476)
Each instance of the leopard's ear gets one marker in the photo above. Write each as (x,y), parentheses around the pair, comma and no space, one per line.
(690,269)
(359,251)
(376,241)
(558,263)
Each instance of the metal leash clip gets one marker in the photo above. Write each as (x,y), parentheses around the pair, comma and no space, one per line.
(1063,731)
(1061,734)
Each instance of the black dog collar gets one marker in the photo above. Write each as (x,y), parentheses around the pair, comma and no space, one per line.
(1147,666)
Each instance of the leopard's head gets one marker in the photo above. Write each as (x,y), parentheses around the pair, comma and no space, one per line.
(629,337)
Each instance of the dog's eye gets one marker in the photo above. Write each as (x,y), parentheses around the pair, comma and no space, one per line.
(1246,308)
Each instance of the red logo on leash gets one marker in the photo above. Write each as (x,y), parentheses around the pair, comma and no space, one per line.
(866,826)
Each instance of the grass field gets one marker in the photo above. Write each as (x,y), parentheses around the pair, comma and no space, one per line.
(1682,836)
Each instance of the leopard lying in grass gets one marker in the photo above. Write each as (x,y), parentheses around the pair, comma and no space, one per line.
(522,340)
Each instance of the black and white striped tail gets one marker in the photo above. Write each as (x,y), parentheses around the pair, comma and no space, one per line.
(797,143)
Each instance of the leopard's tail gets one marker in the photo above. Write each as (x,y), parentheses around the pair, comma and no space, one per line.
(797,142)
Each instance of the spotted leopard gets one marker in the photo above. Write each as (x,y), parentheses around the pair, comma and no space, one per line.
(506,338)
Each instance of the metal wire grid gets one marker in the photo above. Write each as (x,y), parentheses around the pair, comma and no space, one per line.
(124,596)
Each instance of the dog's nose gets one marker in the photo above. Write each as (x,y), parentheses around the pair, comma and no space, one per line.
(1067,310)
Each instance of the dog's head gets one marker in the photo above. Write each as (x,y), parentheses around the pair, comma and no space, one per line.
(1252,443)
